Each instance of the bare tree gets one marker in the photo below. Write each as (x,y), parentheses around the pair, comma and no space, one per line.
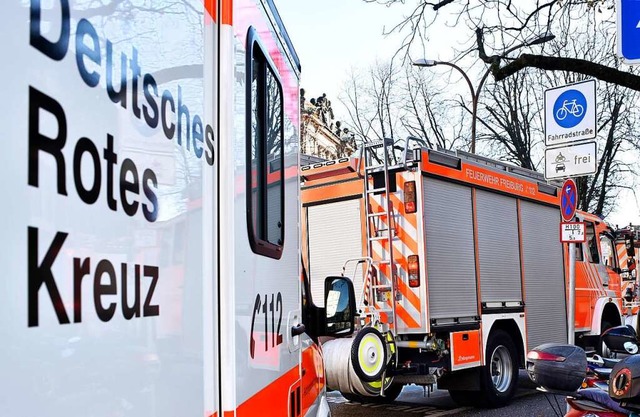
(386,102)
(583,48)
(371,99)
(502,24)
(425,112)
(593,38)
(512,120)
(598,192)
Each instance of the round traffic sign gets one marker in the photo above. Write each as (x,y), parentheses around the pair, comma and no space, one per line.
(568,200)
(569,108)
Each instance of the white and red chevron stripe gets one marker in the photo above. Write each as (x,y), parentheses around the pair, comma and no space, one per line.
(410,309)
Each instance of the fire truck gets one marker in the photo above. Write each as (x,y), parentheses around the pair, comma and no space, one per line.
(457,265)
(628,249)
(599,283)
(627,245)
(150,256)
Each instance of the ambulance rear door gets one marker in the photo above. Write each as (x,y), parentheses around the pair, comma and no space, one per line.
(259,247)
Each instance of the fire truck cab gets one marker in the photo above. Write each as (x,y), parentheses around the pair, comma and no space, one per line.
(150,241)
(599,285)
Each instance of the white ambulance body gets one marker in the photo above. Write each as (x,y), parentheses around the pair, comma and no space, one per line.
(150,245)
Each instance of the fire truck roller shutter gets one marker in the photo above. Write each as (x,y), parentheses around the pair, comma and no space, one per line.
(335,235)
(451,267)
(497,217)
(544,275)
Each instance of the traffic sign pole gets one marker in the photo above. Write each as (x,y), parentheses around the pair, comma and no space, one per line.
(568,205)
(572,294)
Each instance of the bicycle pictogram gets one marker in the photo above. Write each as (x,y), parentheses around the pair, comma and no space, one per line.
(569,107)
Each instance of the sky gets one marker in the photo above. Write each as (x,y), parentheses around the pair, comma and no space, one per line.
(333,36)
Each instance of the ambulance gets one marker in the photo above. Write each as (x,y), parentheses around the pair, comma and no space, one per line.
(150,241)
(457,265)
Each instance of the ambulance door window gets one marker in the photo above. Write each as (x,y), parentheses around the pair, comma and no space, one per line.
(265,171)
(592,244)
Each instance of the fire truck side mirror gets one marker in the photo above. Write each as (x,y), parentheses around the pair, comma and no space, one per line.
(629,245)
(340,306)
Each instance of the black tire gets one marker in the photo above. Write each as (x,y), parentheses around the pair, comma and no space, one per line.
(378,356)
(390,395)
(465,398)
(499,377)
(601,348)
(354,398)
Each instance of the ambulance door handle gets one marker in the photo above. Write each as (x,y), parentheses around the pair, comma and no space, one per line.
(297,330)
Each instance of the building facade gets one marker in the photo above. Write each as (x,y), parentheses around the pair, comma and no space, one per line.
(321,136)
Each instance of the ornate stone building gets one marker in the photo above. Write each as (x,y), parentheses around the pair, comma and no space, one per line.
(321,135)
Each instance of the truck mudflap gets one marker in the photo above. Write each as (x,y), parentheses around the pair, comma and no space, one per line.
(466,349)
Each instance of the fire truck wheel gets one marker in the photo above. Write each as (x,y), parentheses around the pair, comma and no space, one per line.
(465,398)
(354,398)
(499,377)
(390,395)
(369,354)
(601,348)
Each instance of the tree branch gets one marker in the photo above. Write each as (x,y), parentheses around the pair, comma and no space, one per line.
(581,66)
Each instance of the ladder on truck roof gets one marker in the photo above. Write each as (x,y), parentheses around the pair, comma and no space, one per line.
(376,182)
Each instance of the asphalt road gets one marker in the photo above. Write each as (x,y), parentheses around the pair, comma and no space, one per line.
(413,403)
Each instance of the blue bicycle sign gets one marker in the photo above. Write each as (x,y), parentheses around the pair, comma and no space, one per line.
(570,115)
(569,108)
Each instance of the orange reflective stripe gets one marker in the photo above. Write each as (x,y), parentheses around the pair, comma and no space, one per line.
(404,316)
(212,7)
(412,218)
(410,244)
(404,237)
(332,191)
(399,205)
(272,400)
(413,299)
(313,377)
(227,12)
(409,294)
